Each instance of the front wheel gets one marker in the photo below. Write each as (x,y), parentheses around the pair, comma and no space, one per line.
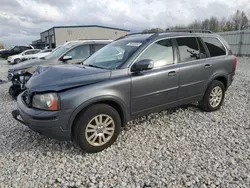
(97,128)
(214,96)
(14,91)
(16,61)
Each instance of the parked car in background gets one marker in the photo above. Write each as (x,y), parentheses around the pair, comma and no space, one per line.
(133,76)
(15,59)
(38,55)
(15,50)
(73,52)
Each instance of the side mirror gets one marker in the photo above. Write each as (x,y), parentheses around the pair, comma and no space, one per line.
(142,65)
(66,58)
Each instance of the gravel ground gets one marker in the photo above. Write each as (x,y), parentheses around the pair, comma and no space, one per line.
(182,147)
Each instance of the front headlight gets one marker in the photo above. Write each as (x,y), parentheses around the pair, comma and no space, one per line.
(48,101)
(22,71)
(17,72)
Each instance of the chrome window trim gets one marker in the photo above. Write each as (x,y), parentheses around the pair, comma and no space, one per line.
(172,37)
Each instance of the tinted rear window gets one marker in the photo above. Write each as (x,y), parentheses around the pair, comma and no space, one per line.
(214,46)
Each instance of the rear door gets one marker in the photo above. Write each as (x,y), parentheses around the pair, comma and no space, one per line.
(194,69)
(155,88)
(222,63)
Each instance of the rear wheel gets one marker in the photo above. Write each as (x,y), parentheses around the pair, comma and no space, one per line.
(214,96)
(97,128)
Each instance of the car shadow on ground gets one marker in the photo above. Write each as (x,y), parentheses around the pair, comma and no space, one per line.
(192,107)
(31,140)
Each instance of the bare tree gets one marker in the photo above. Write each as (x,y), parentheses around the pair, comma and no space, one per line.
(238,21)
(1,46)
(153,30)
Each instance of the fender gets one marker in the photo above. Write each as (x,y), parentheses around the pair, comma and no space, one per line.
(216,75)
(87,103)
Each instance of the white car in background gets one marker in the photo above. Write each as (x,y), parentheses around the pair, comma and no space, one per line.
(38,55)
(14,59)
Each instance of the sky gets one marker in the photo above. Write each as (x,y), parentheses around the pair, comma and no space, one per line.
(22,21)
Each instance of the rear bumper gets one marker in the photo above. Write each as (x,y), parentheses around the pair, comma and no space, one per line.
(48,123)
(230,79)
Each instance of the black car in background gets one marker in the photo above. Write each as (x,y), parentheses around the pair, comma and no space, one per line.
(14,51)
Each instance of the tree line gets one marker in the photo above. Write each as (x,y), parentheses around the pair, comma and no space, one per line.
(238,21)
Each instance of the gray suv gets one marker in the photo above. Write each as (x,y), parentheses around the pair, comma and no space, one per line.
(133,76)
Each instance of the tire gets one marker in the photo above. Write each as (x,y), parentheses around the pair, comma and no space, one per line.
(16,61)
(86,128)
(210,103)
(14,91)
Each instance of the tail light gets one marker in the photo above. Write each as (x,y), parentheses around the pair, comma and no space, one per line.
(235,61)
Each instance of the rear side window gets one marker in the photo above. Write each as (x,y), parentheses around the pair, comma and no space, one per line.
(160,52)
(97,47)
(188,48)
(214,46)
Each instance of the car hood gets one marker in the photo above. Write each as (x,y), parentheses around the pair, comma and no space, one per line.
(29,63)
(60,77)
(14,56)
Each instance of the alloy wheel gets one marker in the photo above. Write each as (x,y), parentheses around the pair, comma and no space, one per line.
(215,96)
(100,130)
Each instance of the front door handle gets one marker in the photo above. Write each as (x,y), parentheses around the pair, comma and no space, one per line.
(207,66)
(172,73)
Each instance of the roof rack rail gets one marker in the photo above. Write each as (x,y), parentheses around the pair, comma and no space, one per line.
(168,31)
(131,34)
(189,30)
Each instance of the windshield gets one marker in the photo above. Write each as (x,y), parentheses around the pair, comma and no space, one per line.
(113,55)
(59,51)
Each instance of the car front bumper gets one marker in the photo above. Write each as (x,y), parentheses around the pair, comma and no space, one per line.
(49,123)
(10,61)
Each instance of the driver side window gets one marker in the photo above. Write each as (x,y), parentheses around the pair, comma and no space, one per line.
(160,52)
(79,52)
(28,52)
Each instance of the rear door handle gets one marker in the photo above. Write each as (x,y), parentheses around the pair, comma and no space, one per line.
(207,66)
(172,73)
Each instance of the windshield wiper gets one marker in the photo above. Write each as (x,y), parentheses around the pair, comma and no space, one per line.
(95,66)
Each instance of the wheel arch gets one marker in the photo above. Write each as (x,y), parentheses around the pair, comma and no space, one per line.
(114,102)
(220,77)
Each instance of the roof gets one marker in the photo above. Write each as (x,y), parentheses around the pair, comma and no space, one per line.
(76,26)
(159,35)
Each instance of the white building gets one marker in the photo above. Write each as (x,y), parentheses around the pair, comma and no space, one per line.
(58,35)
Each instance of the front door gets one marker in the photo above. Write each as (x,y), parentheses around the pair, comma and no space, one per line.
(157,87)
